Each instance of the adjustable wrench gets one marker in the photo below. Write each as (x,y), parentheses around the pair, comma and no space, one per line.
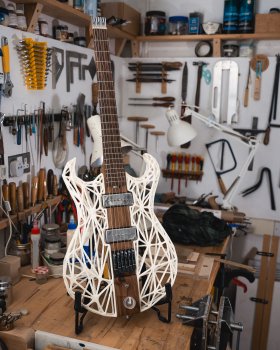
(8,85)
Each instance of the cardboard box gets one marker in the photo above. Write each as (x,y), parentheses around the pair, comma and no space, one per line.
(267,23)
(9,266)
(123,11)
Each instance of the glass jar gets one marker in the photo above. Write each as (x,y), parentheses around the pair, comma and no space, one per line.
(23,251)
(80,41)
(12,16)
(49,230)
(4,16)
(43,27)
(52,245)
(178,25)
(155,23)
(57,258)
(41,273)
(78,4)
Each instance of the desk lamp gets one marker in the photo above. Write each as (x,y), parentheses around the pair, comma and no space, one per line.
(181,132)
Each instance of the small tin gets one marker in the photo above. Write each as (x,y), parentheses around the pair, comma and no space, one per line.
(57,258)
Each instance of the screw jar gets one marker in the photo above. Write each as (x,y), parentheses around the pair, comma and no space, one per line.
(155,23)
(52,245)
(178,25)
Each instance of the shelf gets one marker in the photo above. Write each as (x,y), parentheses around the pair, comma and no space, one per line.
(175,38)
(60,11)
(216,39)
(4,222)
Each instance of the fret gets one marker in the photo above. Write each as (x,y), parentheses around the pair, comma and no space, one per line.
(112,153)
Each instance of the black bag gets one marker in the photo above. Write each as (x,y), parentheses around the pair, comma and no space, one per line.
(189,226)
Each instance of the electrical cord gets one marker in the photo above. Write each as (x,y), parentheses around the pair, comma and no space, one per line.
(10,228)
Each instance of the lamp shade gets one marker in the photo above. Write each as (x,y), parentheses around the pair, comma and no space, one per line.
(179,132)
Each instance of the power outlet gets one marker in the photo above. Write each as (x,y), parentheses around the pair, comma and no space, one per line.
(19,164)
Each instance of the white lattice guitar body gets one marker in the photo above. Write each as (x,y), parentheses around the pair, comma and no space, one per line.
(155,256)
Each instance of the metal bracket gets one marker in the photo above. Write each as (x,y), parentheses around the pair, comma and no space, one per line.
(219,68)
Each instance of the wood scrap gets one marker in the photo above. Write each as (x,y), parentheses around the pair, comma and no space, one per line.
(235,264)
(206,267)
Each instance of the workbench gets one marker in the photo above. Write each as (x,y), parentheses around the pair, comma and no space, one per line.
(51,310)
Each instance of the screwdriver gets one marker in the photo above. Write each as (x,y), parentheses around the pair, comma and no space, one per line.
(165,104)
(164,99)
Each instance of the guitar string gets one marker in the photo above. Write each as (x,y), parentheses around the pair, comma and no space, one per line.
(110,120)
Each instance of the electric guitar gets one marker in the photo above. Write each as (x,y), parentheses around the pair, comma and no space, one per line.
(120,257)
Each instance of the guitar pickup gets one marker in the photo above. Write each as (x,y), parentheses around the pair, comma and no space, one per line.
(120,234)
(117,200)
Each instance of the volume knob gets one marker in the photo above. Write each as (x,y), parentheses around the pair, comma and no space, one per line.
(129,303)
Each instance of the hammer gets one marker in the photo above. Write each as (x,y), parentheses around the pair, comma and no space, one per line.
(200,65)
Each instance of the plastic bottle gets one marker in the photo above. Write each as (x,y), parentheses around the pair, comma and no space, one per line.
(35,245)
(71,229)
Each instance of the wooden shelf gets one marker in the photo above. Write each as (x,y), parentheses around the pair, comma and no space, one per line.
(60,11)
(216,39)
(4,222)
(253,36)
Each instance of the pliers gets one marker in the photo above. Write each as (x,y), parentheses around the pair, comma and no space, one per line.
(257,185)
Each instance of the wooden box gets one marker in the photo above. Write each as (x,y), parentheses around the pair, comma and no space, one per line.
(123,11)
(267,23)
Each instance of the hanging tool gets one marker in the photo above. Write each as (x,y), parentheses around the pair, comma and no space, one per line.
(187,160)
(246,93)
(81,121)
(137,120)
(8,85)
(173,166)
(163,99)
(184,89)
(94,92)
(165,105)
(258,184)
(157,134)
(180,158)
(154,66)
(221,172)
(57,65)
(232,103)
(274,100)
(2,79)
(147,127)
(259,63)
(26,195)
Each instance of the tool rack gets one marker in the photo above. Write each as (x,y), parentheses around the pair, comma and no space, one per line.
(190,175)
(4,222)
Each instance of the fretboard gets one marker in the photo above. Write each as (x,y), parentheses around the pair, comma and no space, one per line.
(112,155)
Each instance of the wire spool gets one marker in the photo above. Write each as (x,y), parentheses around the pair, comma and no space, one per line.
(203,49)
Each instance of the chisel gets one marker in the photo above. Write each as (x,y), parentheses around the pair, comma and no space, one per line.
(26,196)
(152,104)
(20,205)
(163,99)
(246,93)
(34,190)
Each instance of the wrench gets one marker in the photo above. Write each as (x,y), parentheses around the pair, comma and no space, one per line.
(8,85)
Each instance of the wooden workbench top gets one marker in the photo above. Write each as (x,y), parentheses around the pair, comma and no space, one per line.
(51,310)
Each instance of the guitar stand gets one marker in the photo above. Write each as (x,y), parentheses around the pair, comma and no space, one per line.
(166,300)
(79,310)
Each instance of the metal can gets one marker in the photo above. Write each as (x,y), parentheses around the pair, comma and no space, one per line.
(178,25)
(80,41)
(155,23)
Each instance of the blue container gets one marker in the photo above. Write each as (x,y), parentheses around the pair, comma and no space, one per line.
(195,21)
(246,16)
(231,16)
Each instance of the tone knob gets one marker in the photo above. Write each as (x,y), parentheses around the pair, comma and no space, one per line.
(129,303)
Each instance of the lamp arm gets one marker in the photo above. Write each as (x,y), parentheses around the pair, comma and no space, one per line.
(250,142)
(212,123)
